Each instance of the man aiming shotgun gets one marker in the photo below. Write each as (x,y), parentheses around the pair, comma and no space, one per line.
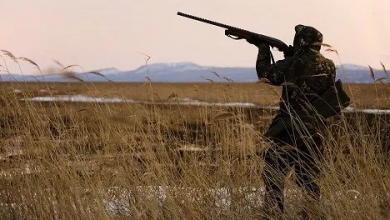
(309,96)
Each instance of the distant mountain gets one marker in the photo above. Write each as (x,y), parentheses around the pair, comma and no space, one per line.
(188,72)
(107,71)
(352,73)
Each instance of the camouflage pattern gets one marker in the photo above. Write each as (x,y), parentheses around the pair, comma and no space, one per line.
(304,77)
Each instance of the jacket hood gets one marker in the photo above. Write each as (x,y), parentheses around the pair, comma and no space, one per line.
(307,37)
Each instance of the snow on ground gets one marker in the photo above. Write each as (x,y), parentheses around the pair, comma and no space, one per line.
(17,91)
(119,202)
(180,101)
(368,111)
(78,98)
(83,98)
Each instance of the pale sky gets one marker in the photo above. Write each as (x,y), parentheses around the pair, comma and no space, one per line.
(101,33)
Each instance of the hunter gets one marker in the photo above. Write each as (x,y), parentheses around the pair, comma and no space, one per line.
(305,76)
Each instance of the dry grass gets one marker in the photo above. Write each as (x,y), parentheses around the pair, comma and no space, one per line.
(130,161)
(363,95)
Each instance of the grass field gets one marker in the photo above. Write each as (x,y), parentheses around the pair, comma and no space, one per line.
(63,160)
(363,95)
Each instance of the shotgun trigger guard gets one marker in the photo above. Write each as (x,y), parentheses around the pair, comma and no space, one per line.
(234,37)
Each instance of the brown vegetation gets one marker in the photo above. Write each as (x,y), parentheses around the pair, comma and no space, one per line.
(62,160)
(131,161)
(121,161)
(363,95)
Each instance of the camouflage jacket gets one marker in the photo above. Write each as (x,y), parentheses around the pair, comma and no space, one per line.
(304,76)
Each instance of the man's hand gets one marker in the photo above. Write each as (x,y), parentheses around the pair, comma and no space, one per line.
(289,52)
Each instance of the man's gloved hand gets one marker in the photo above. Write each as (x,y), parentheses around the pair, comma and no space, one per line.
(289,52)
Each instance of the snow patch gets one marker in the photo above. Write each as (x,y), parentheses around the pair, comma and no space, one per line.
(119,203)
(77,98)
(368,111)
(189,101)
(161,67)
(179,101)
(107,71)
(354,67)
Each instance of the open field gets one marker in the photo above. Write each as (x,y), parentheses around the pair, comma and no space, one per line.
(62,160)
(363,95)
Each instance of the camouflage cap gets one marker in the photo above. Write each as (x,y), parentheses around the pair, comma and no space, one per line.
(307,36)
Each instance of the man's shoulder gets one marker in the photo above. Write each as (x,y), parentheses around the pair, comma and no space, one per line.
(330,64)
(327,60)
(317,59)
(322,58)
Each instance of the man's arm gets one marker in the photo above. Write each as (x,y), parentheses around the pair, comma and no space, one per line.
(275,73)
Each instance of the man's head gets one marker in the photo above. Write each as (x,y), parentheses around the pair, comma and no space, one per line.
(307,37)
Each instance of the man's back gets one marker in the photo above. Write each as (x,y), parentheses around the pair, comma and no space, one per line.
(312,74)
(305,76)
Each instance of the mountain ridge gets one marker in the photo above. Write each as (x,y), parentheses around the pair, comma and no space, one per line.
(189,72)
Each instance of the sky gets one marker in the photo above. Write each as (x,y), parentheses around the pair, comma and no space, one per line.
(97,34)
